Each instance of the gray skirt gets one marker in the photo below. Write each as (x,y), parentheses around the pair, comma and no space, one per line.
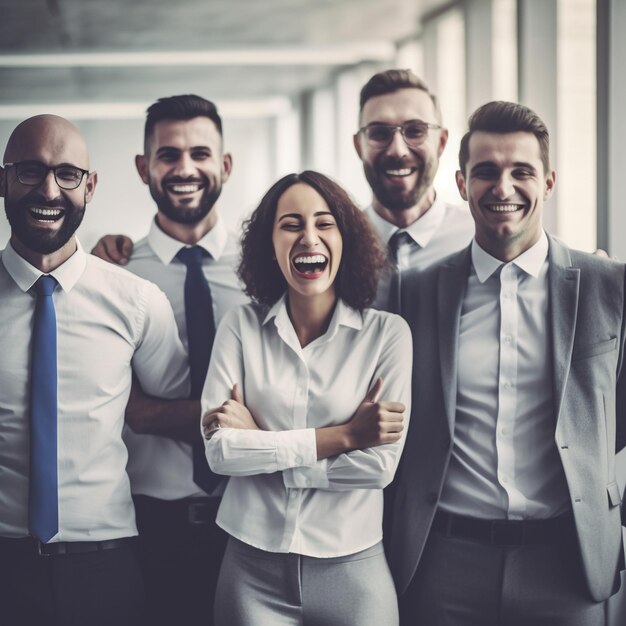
(259,588)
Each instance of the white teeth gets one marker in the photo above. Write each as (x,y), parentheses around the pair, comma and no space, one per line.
(504,208)
(46,212)
(403,172)
(313,259)
(190,188)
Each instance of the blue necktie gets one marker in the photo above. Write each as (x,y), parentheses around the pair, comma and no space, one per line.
(200,335)
(43,509)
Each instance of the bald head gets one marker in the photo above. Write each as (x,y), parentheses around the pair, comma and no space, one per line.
(46,184)
(49,139)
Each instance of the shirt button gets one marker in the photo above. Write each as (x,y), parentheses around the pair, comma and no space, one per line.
(504,479)
(298,459)
(504,431)
(292,493)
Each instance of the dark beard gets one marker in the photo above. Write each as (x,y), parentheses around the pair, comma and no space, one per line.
(183,215)
(42,240)
(397,200)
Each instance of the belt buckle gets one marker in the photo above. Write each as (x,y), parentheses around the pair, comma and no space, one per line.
(40,552)
(503,533)
(194,513)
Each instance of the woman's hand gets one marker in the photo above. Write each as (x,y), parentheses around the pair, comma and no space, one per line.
(232,414)
(374,422)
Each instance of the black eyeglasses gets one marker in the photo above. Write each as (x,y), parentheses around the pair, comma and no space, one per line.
(414,133)
(33,173)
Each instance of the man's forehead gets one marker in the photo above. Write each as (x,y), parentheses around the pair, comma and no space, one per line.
(49,139)
(195,131)
(504,147)
(399,106)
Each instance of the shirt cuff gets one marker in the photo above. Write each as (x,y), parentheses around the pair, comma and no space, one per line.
(313,477)
(295,448)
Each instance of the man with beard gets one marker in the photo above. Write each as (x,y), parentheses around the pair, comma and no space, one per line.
(71,325)
(184,165)
(400,141)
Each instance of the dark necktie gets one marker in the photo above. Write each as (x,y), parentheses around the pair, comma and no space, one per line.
(396,240)
(43,507)
(200,335)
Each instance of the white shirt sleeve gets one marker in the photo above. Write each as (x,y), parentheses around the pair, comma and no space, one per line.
(160,361)
(244,452)
(241,452)
(371,468)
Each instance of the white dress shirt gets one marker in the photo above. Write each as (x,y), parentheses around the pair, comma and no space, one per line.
(504,462)
(161,467)
(280,497)
(106,317)
(439,232)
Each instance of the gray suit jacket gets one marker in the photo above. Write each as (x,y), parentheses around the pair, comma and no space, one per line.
(587,318)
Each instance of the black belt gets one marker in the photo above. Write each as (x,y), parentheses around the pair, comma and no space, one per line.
(186,510)
(505,532)
(32,546)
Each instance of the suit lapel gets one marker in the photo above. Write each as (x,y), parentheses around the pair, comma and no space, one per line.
(452,283)
(564,283)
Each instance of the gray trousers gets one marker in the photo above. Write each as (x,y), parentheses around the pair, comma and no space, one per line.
(258,588)
(461,582)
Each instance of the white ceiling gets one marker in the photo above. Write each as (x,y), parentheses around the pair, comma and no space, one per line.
(115,51)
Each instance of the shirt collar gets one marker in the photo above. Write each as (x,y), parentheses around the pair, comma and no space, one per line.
(421,230)
(26,275)
(529,261)
(166,247)
(343,315)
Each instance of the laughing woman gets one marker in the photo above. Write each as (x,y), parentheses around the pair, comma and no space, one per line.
(303,408)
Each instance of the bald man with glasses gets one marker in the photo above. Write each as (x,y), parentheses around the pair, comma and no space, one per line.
(71,326)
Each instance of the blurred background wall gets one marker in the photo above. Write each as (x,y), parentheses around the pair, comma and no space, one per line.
(286,76)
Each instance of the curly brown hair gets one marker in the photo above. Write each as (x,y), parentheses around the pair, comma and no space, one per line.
(362,262)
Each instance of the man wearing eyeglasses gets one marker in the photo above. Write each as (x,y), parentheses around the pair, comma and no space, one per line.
(71,325)
(400,141)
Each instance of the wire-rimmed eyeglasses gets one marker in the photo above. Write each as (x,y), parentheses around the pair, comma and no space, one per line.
(414,133)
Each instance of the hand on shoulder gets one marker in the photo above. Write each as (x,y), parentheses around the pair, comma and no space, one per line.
(114,249)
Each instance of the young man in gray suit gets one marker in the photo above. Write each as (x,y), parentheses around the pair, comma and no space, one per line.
(506,508)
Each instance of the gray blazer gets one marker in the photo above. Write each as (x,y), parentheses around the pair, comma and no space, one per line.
(587,328)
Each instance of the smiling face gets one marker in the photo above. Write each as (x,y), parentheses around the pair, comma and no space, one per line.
(506,187)
(307,242)
(185,170)
(44,217)
(401,178)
